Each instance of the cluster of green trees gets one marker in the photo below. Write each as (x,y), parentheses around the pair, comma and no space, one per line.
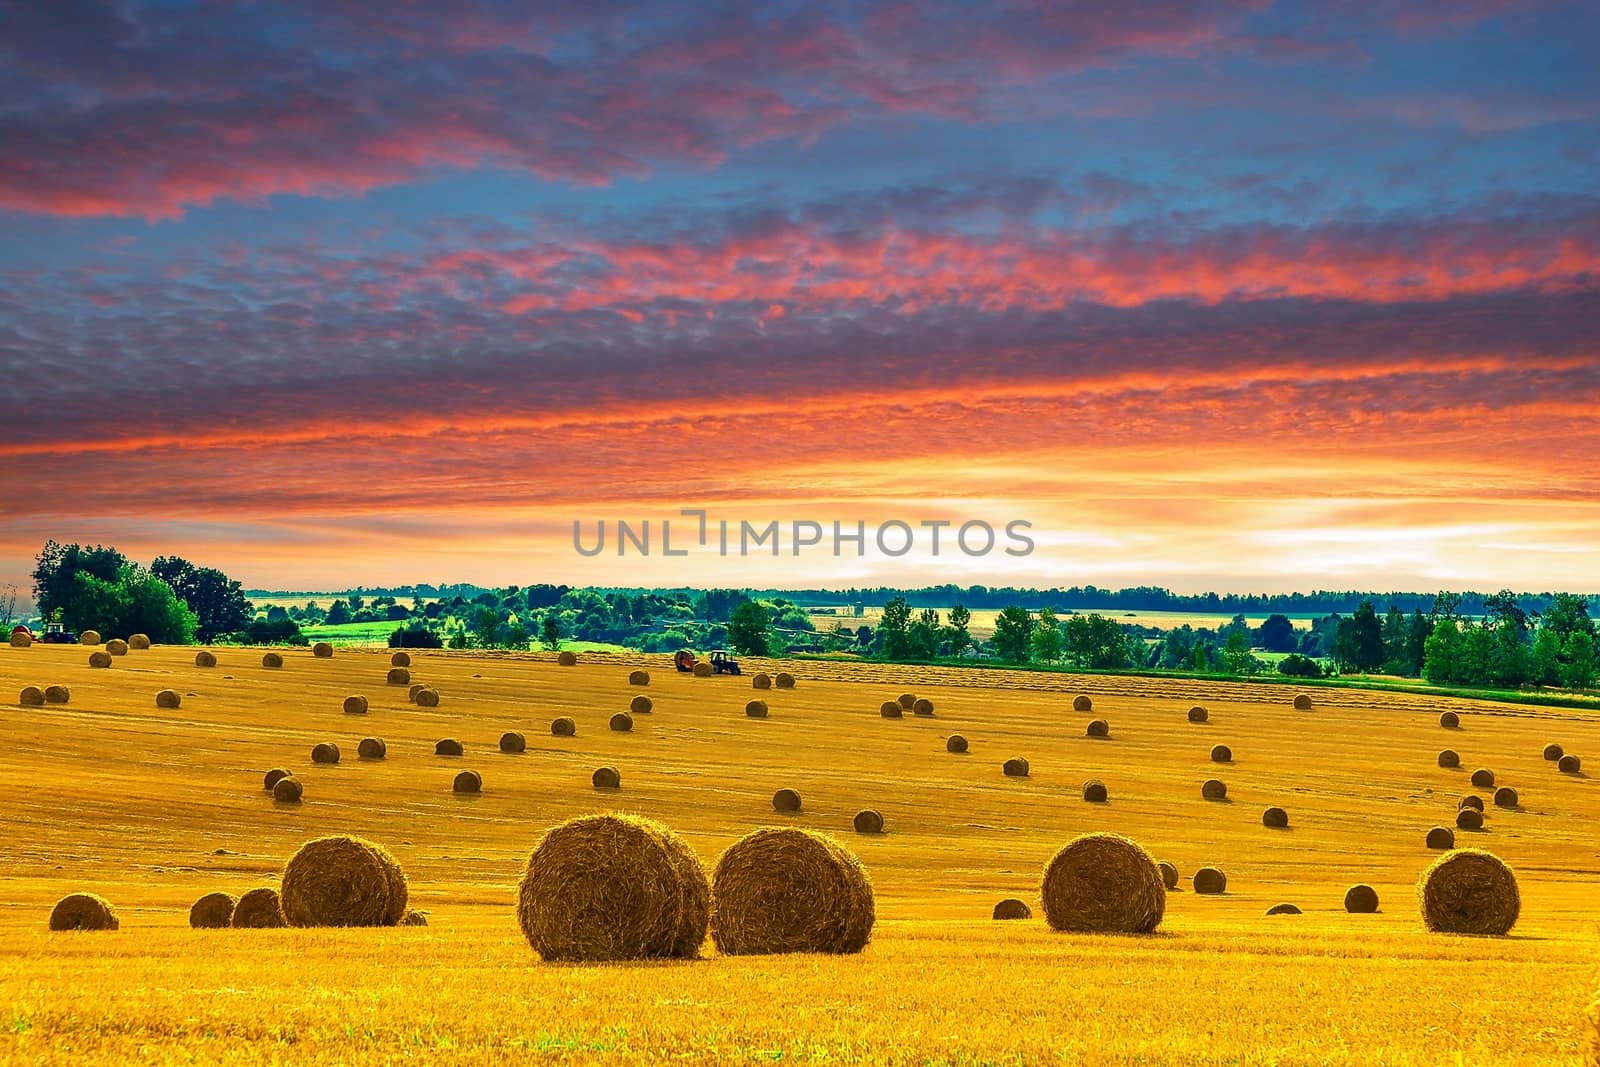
(172,601)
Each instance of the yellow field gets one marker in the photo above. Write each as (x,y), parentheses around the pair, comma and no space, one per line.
(151,808)
(982,624)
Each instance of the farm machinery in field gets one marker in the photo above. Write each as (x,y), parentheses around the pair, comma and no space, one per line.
(720,662)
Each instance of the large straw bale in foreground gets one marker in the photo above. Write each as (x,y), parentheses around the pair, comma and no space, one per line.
(343,881)
(1103,883)
(1469,891)
(790,890)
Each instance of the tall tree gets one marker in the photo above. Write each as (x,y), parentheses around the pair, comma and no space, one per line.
(748,628)
(55,576)
(957,633)
(217,601)
(894,629)
(1277,634)
(1047,642)
(1013,634)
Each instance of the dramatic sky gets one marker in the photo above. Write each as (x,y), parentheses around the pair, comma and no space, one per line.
(1235,295)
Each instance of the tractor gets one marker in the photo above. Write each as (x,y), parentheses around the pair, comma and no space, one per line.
(57,634)
(722,662)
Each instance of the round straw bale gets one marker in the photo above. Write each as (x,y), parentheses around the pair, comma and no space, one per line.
(139,642)
(322,650)
(117,646)
(890,709)
(513,742)
(102,659)
(1012,908)
(567,659)
(1198,714)
(468,782)
(1505,797)
(923,707)
(1210,880)
(448,746)
(1169,874)
(259,909)
(205,659)
(398,676)
(1449,720)
(638,677)
(1098,728)
(343,881)
(1476,803)
(428,698)
(1469,819)
(83,911)
(214,911)
(786,801)
(413,690)
(756,709)
(1441,837)
(640,705)
(1553,753)
(325,752)
(22,639)
(372,748)
(1302,701)
(1449,758)
(563,727)
(907,701)
(57,694)
(868,821)
(1483,778)
(1015,767)
(1275,818)
(272,661)
(1081,702)
(1214,789)
(1103,883)
(270,779)
(956,743)
(413,917)
(703,670)
(1221,754)
(400,659)
(763,680)
(606,778)
(1361,899)
(287,791)
(1469,891)
(89,637)
(355,705)
(622,722)
(168,698)
(783,680)
(31,697)
(790,890)
(1283,909)
(612,887)
(1569,764)
(1094,791)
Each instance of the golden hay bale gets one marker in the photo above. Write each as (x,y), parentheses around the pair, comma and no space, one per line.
(513,742)
(413,917)
(31,697)
(272,661)
(606,778)
(1505,797)
(622,722)
(1283,909)
(1198,714)
(1569,764)
(138,642)
(343,881)
(325,752)
(1483,778)
(214,911)
(923,707)
(786,801)
(1275,818)
(21,639)
(784,680)
(1103,883)
(756,709)
(1469,891)
(468,782)
(89,637)
(1476,803)
(168,698)
(398,676)
(563,727)
(762,680)
(956,743)
(703,670)
(355,705)
(57,694)
(1361,899)
(205,659)
(1169,874)
(868,821)
(372,748)
(1214,789)
(1449,758)
(322,650)
(1094,791)
(1554,752)
(1210,880)
(448,746)
(1081,702)
(1012,908)
(907,701)
(288,791)
(270,779)
(83,911)
(1221,754)
(1449,720)
(790,890)
(1098,728)
(567,659)
(1302,701)
(613,887)
(415,688)
(400,659)
(1015,767)
(117,646)
(428,698)
(101,659)
(640,705)
(638,677)
(259,909)
(1469,819)
(1441,837)
(890,709)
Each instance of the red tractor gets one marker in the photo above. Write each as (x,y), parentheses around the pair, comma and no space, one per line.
(721,661)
